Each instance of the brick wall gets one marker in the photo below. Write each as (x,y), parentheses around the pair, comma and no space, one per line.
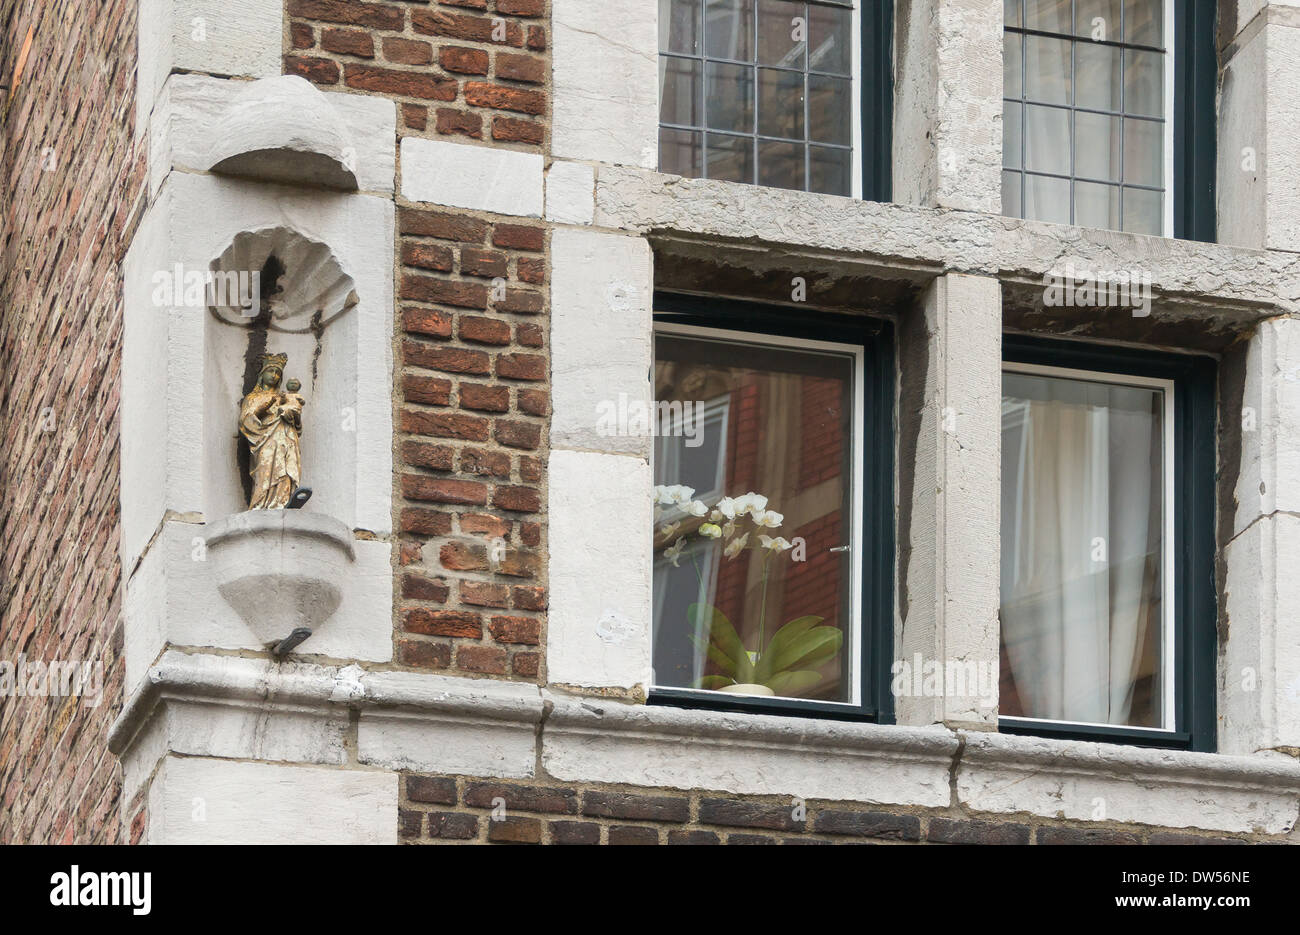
(449,809)
(73,184)
(473,388)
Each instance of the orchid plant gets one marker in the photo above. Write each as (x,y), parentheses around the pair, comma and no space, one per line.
(787,663)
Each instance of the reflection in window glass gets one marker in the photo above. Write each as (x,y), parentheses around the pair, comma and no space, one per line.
(769,73)
(1082,550)
(754,508)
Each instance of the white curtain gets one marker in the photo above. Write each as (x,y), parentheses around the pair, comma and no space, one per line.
(1081,541)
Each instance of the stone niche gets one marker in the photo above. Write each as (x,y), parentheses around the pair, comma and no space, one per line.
(305,307)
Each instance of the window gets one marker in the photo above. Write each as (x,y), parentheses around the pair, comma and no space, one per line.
(1105,114)
(1107,619)
(773,547)
(767,92)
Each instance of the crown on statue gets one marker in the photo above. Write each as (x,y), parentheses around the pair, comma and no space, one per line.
(275,360)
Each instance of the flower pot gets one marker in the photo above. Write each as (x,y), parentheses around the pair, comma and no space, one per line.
(747,688)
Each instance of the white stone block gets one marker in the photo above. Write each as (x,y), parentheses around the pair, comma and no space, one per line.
(477,177)
(601,339)
(570,193)
(605,74)
(1269,478)
(598,630)
(195,800)
(426,742)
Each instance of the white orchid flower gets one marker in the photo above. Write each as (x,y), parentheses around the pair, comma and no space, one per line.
(669,528)
(710,530)
(779,544)
(697,508)
(751,503)
(736,546)
(726,509)
(729,529)
(674,552)
(769,519)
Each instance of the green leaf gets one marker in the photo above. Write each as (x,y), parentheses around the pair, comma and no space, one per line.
(808,650)
(793,684)
(714,682)
(706,617)
(781,639)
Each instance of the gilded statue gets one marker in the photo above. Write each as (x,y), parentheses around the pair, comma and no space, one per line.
(271,420)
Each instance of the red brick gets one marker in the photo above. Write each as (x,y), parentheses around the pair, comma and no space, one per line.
(415,116)
(520,499)
(484,330)
(530,469)
(502,97)
(463,556)
(531,269)
(537,38)
(524,630)
(514,130)
(530,335)
(517,434)
(487,659)
(520,302)
(575,832)
(531,69)
(455,826)
(484,398)
(407,51)
(459,26)
(448,359)
(433,457)
(450,623)
(471,4)
(315,70)
(431,790)
(410,552)
(515,831)
(633,834)
(531,533)
(521,367)
(425,522)
(519,237)
(418,588)
(444,490)
(444,291)
(426,321)
(423,655)
(350,12)
(526,665)
(482,594)
(521,7)
(399,83)
(445,425)
(442,226)
(521,798)
(459,123)
(533,402)
(484,524)
(489,264)
(428,256)
(465,61)
(526,598)
(492,463)
(348,42)
(431,391)
(301,36)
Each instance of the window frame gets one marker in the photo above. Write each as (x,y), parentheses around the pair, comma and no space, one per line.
(871,107)
(1195,612)
(875,626)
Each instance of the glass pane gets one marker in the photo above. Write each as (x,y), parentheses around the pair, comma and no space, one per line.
(1144,152)
(729,29)
(830,34)
(1096,146)
(1082,539)
(1011,135)
(1011,206)
(1048,15)
(781,165)
(766,452)
(679,26)
(1097,19)
(780,104)
(730,93)
(1096,205)
(829,106)
(1096,76)
(1047,70)
(1047,199)
(1047,139)
(1144,84)
(681,84)
(782,33)
(1011,12)
(1011,63)
(730,158)
(1143,22)
(830,170)
(1143,211)
(681,152)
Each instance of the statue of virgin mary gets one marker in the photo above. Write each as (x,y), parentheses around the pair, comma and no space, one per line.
(272,423)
